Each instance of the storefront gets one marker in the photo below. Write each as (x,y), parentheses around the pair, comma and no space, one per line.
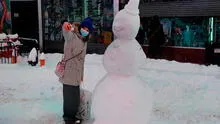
(42,20)
(54,12)
(189,26)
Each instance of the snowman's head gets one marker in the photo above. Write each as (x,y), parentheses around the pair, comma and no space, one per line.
(127,21)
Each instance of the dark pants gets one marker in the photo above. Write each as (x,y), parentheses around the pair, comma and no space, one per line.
(71,100)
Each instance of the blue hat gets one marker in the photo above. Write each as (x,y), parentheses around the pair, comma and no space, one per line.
(87,22)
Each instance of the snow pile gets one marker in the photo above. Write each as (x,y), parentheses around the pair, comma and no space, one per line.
(33,55)
(12,36)
(183,93)
(3,36)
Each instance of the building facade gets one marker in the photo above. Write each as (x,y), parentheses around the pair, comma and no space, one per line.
(54,12)
(189,25)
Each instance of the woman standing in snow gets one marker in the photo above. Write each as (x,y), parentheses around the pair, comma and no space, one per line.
(75,46)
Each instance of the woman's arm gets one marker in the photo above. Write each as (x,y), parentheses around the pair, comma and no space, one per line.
(67,31)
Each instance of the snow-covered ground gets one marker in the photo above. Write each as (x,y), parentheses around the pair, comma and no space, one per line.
(183,93)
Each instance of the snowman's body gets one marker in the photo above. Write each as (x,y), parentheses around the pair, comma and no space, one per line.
(122,100)
(123,58)
(120,97)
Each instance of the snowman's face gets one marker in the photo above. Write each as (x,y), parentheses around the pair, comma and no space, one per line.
(125,26)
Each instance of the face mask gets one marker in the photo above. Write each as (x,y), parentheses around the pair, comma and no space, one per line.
(84,33)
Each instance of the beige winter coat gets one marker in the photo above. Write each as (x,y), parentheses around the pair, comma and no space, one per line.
(74,68)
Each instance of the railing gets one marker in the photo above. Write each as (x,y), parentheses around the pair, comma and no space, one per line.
(8,52)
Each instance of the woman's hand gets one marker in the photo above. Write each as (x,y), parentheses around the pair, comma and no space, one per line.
(67,26)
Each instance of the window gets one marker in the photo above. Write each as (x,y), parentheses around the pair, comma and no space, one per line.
(56,11)
(217,27)
(186,31)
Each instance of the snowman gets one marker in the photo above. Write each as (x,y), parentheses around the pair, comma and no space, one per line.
(120,97)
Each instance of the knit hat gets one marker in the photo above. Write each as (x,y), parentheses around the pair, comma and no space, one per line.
(87,22)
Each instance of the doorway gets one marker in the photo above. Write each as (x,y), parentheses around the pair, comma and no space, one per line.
(25,18)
